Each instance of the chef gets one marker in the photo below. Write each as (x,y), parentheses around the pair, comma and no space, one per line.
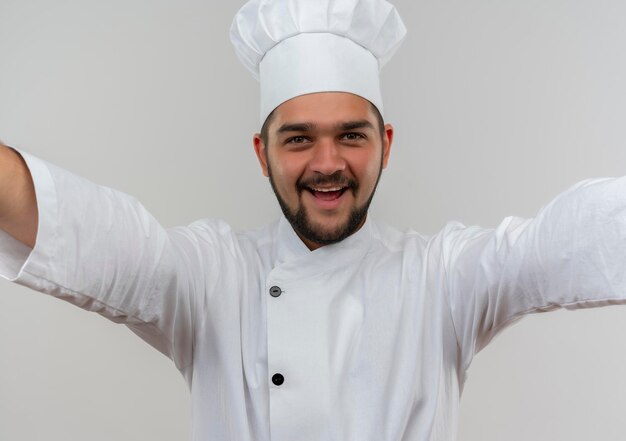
(325,325)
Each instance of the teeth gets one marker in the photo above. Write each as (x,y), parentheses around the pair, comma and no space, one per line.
(326,190)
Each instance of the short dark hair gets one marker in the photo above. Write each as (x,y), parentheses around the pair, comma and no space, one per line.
(270,117)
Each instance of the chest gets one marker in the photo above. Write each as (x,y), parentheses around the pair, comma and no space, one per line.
(339,346)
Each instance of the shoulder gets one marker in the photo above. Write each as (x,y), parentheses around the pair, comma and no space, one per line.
(217,233)
(392,240)
(446,243)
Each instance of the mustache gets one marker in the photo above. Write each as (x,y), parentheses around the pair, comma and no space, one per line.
(336,179)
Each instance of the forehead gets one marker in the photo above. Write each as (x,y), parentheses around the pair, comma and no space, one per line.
(323,109)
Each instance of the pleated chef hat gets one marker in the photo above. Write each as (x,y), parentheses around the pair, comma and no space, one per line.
(296,47)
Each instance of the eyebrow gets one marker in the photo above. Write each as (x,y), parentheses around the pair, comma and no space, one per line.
(309,127)
(297,127)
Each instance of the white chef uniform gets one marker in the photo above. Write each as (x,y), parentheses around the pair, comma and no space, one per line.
(368,339)
(372,336)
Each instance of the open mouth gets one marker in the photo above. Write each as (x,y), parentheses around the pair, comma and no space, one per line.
(328,193)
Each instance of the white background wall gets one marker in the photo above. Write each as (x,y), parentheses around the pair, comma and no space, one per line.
(498,106)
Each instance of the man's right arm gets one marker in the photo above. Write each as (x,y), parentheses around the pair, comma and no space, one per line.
(101,250)
(18,204)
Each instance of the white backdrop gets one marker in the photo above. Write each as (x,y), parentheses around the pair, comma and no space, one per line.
(498,106)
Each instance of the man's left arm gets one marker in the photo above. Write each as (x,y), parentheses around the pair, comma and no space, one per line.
(571,255)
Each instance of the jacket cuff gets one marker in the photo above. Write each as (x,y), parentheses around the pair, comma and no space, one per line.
(18,261)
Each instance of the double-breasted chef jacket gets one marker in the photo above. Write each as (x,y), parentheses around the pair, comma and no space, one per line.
(368,339)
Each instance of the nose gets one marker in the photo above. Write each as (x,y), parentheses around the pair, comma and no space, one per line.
(327,158)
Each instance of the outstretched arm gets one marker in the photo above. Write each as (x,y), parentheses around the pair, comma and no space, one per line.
(571,255)
(18,205)
(102,251)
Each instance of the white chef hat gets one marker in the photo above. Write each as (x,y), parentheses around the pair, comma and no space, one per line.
(296,47)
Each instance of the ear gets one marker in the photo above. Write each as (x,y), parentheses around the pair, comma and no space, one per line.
(387,141)
(259,149)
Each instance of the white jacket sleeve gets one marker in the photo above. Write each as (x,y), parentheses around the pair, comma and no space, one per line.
(102,251)
(572,255)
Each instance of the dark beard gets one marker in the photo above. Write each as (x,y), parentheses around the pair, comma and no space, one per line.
(301,223)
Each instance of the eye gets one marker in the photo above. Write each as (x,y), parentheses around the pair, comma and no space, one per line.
(353,136)
(296,140)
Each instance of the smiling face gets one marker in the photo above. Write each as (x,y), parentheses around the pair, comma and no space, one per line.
(324,156)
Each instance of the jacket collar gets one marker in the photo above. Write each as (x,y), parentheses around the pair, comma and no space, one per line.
(293,255)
